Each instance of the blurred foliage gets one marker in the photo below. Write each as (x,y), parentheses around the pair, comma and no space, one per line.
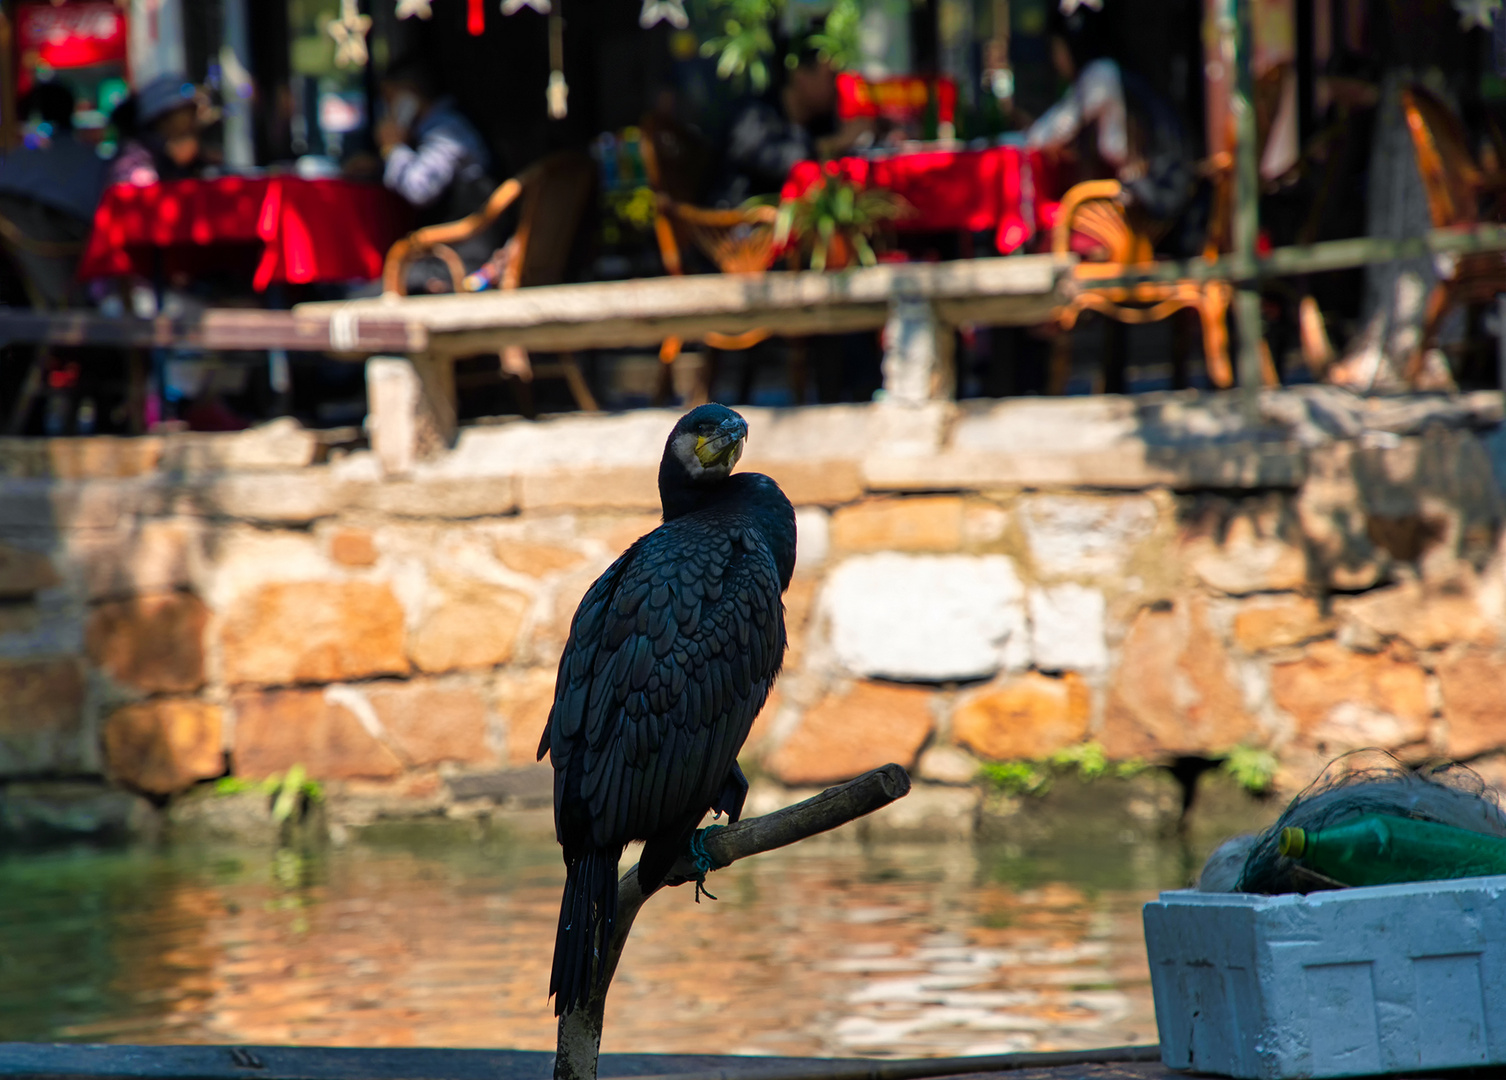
(1253,769)
(837,41)
(745,47)
(1087,760)
(286,790)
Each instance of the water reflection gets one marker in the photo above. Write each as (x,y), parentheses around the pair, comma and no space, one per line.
(433,940)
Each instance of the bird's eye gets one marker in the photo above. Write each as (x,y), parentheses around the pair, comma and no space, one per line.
(706,429)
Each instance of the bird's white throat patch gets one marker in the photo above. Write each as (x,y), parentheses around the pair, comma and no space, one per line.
(685,449)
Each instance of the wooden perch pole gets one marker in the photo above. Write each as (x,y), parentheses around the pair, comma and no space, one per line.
(580,1031)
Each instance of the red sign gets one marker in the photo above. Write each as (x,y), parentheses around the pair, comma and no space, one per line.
(69,35)
(903,100)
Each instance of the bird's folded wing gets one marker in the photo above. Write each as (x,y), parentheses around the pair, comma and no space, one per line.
(665,670)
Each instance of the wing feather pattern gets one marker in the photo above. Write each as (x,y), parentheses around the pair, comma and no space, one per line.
(670,657)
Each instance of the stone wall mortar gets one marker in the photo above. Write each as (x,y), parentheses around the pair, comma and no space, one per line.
(1354,598)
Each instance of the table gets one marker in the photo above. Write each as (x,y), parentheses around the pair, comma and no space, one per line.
(297,231)
(989,190)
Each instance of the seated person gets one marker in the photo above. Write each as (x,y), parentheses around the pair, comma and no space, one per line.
(49,191)
(167,144)
(433,156)
(1138,136)
(765,142)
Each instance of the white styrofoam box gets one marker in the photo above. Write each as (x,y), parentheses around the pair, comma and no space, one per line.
(1391,978)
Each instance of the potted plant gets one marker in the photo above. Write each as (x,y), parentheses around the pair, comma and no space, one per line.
(837,219)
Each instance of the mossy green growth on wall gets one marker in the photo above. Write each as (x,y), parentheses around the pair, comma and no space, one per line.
(1086,760)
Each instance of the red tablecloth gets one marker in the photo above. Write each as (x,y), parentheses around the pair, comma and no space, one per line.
(948,190)
(305,230)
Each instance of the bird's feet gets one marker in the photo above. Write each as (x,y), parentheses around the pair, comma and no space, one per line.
(703,861)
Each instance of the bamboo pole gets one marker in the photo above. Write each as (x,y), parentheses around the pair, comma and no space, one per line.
(1237,39)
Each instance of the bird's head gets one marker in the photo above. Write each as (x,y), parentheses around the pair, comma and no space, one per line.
(706,443)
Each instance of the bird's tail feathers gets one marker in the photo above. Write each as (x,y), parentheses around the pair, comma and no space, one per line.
(588,913)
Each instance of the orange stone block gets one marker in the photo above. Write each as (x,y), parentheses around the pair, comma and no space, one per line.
(1279,622)
(1474,703)
(427,723)
(279,729)
(313,632)
(523,700)
(152,643)
(536,560)
(472,627)
(353,547)
(165,746)
(919,523)
(1345,700)
(1174,691)
(24,572)
(849,733)
(41,716)
(1026,718)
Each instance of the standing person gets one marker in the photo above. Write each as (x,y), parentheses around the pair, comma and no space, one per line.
(1137,135)
(167,144)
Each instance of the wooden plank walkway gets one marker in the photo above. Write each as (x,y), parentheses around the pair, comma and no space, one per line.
(34,1061)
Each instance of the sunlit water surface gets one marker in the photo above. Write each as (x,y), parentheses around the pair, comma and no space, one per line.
(433,938)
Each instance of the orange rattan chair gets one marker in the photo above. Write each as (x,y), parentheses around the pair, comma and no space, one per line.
(1459,190)
(734,241)
(552,196)
(1123,238)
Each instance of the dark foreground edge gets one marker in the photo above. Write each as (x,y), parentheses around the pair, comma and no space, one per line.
(36,1061)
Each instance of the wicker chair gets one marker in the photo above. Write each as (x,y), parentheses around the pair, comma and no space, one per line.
(1459,192)
(735,242)
(553,196)
(1125,238)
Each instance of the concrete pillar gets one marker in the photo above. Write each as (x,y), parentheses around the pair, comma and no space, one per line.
(392,397)
(918,353)
(410,409)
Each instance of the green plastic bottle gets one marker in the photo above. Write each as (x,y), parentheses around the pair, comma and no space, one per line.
(1382,849)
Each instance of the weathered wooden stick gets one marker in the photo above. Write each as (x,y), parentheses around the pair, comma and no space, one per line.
(580,1031)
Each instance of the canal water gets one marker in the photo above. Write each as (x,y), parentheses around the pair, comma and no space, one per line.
(422,936)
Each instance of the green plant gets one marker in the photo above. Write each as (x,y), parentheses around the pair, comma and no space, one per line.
(838,41)
(1016,777)
(1088,758)
(286,790)
(1253,769)
(746,44)
(835,207)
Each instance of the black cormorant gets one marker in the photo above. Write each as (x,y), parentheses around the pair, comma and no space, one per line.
(671,655)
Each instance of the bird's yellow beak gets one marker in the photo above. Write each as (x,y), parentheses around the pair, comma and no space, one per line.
(723,448)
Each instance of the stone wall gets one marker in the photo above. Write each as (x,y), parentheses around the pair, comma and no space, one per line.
(993,581)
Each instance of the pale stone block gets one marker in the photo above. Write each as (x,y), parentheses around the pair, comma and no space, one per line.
(928,618)
(278,444)
(292,498)
(1077,534)
(438,497)
(1067,628)
(812,538)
